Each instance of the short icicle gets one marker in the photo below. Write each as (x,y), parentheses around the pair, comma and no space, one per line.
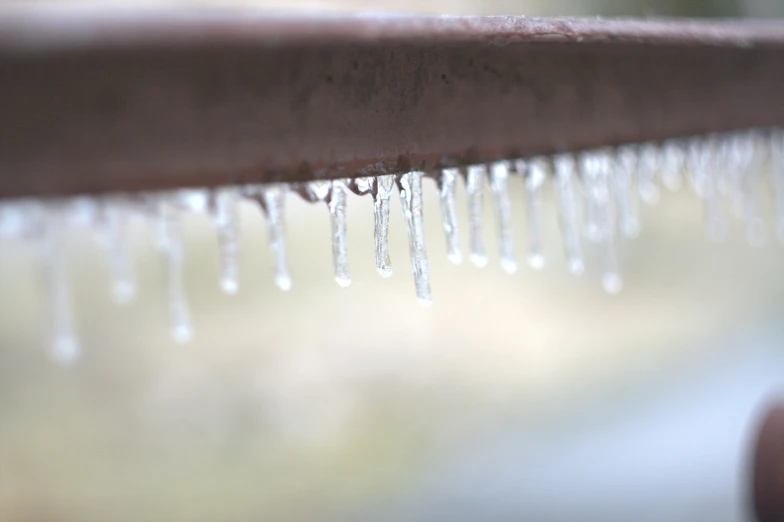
(410,186)
(566,200)
(382,191)
(474,181)
(447,195)
(65,347)
(226,223)
(777,176)
(623,171)
(171,245)
(336,201)
(647,168)
(673,162)
(499,186)
(120,260)
(535,172)
(273,199)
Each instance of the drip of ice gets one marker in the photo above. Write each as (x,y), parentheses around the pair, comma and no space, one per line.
(171,246)
(336,200)
(566,201)
(705,167)
(274,196)
(64,346)
(381,195)
(226,223)
(674,154)
(447,195)
(744,160)
(623,168)
(121,265)
(596,166)
(474,180)
(776,147)
(534,176)
(410,186)
(499,186)
(649,164)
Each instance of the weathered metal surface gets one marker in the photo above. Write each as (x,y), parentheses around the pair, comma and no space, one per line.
(124,100)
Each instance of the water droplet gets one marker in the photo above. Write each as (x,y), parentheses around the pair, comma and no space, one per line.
(534,173)
(64,346)
(474,181)
(410,186)
(383,192)
(566,201)
(499,186)
(447,185)
(337,210)
(226,223)
(170,243)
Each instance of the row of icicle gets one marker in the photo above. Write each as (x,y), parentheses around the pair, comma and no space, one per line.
(596,194)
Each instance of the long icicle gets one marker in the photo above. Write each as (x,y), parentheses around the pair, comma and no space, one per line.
(65,347)
(410,186)
(382,192)
(474,180)
(499,185)
(447,195)
(226,223)
(623,171)
(534,173)
(274,197)
(170,243)
(336,201)
(120,261)
(566,199)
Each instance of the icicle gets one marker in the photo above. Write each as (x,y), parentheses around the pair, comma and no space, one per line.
(170,243)
(705,166)
(410,186)
(565,169)
(499,186)
(337,210)
(447,185)
(673,162)
(121,265)
(623,170)
(649,164)
(381,195)
(745,161)
(225,220)
(534,175)
(596,167)
(474,180)
(64,346)
(777,175)
(274,197)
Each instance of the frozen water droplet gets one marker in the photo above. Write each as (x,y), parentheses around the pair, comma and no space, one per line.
(566,200)
(364,185)
(170,243)
(447,194)
(623,171)
(649,164)
(337,210)
(383,192)
(64,346)
(274,197)
(318,190)
(474,181)
(121,266)
(612,283)
(499,185)
(534,173)
(226,223)
(673,161)
(410,186)
(192,200)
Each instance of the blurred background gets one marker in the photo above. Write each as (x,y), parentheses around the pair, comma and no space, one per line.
(528,397)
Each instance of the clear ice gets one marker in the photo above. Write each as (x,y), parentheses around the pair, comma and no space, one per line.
(410,185)
(596,191)
(447,195)
(336,200)
(499,186)
(474,181)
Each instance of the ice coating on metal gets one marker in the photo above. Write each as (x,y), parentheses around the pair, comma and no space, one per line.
(336,201)
(410,186)
(474,188)
(226,222)
(568,212)
(447,195)
(381,196)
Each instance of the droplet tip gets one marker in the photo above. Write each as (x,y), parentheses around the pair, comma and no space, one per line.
(536,261)
(384,271)
(65,351)
(343,281)
(182,334)
(479,260)
(425,302)
(229,286)
(509,266)
(455,257)
(283,282)
(576,267)
(612,283)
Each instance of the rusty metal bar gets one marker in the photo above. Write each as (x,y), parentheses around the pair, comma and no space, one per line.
(126,100)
